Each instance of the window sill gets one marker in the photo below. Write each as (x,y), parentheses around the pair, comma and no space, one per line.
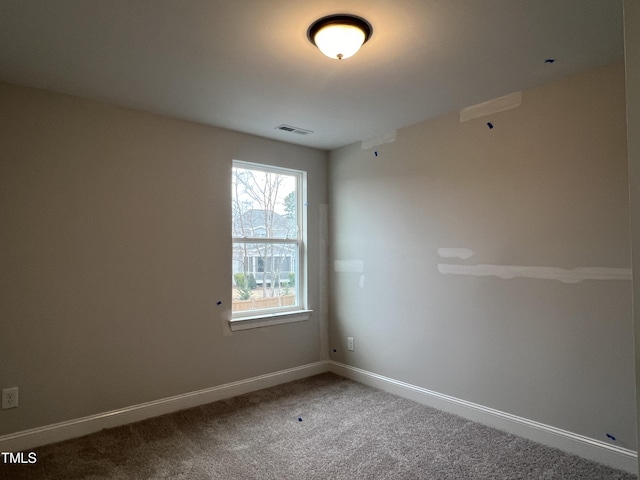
(245,323)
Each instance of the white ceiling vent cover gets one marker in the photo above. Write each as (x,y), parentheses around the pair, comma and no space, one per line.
(289,128)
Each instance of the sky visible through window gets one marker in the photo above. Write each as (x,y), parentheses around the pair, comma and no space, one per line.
(251,189)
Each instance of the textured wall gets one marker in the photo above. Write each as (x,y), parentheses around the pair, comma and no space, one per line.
(116,248)
(533,317)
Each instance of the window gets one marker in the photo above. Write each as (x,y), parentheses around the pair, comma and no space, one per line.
(268,245)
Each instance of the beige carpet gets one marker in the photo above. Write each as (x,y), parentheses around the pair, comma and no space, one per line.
(323,427)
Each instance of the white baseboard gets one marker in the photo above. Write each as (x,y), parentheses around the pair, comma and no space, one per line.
(28,439)
(621,458)
(585,447)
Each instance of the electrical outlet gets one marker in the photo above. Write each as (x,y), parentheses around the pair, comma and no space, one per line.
(350,344)
(9,398)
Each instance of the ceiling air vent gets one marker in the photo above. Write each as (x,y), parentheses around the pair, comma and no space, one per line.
(289,128)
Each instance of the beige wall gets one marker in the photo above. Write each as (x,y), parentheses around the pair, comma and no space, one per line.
(632,64)
(115,250)
(546,187)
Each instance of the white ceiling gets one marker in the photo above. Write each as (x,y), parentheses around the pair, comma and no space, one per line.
(247,64)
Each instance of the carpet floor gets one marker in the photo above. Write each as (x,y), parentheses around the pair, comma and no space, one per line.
(323,427)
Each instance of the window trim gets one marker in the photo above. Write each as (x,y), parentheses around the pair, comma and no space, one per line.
(249,319)
(265,320)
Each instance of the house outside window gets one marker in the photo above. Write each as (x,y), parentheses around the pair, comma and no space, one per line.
(268,241)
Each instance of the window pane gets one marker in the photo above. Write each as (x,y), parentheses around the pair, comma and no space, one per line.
(264,275)
(265,211)
(264,204)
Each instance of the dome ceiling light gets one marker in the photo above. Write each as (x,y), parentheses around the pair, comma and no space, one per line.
(339,36)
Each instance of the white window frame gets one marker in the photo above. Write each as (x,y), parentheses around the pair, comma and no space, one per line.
(244,320)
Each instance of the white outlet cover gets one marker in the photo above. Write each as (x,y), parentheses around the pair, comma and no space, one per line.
(9,398)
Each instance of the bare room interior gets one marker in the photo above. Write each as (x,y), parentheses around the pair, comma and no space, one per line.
(463,195)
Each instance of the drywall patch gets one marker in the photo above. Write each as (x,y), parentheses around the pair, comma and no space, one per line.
(575,275)
(463,253)
(361,281)
(379,140)
(496,105)
(323,270)
(348,266)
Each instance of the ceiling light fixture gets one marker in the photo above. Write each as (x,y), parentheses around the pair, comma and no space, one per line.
(339,36)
